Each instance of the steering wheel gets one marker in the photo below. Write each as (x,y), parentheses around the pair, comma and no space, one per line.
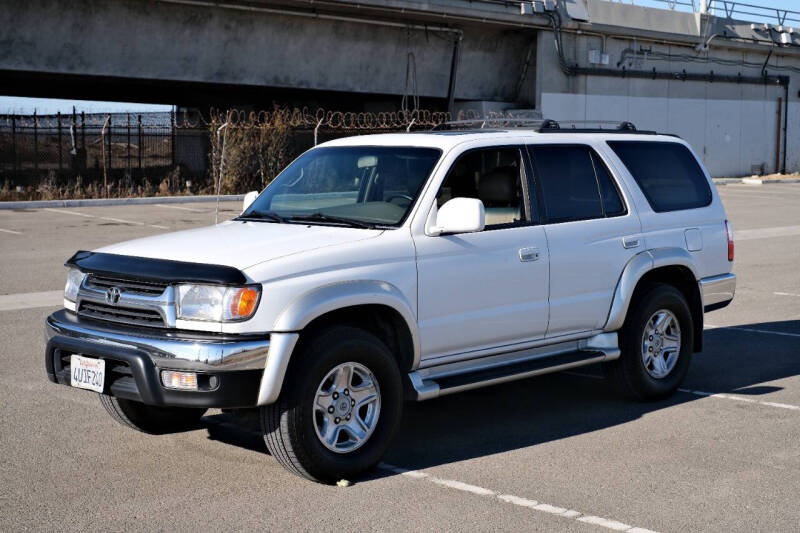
(403,196)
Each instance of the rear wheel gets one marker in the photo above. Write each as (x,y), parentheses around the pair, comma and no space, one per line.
(339,407)
(656,344)
(151,419)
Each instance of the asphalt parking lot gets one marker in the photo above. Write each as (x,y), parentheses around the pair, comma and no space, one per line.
(554,453)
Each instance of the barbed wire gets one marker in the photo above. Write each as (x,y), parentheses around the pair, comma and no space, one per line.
(295,118)
(303,118)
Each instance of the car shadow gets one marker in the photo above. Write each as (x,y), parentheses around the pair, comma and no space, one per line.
(546,408)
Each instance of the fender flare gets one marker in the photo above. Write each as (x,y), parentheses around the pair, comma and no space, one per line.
(638,266)
(315,303)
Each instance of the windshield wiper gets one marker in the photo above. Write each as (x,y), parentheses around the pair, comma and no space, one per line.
(321,217)
(262,215)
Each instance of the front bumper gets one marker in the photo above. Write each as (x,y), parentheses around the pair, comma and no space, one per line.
(717,291)
(135,357)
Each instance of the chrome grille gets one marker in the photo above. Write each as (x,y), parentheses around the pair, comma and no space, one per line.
(103,283)
(125,315)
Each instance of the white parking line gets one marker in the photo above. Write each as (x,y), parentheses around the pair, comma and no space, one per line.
(741,399)
(31,300)
(765,233)
(785,294)
(516,500)
(192,209)
(65,212)
(11,231)
(753,330)
(120,220)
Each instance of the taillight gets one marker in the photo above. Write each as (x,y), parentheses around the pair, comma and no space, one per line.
(729,231)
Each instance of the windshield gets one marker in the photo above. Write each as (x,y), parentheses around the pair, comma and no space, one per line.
(369,185)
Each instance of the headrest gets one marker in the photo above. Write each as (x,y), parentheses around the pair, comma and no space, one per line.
(498,188)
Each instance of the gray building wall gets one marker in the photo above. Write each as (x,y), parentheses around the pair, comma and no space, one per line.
(733,127)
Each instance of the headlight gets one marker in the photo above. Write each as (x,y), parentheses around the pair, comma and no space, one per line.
(215,303)
(74,280)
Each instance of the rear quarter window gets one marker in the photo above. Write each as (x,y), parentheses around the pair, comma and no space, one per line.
(667,173)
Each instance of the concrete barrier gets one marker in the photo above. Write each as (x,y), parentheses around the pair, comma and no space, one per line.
(93,202)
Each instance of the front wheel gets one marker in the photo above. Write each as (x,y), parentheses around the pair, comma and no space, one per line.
(656,344)
(339,407)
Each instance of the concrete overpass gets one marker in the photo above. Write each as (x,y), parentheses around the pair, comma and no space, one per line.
(730,89)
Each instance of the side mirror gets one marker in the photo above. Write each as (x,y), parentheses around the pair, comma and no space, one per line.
(249,198)
(459,215)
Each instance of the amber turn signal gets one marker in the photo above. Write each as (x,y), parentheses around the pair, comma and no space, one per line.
(243,302)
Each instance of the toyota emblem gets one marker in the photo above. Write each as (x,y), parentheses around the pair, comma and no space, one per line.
(112,295)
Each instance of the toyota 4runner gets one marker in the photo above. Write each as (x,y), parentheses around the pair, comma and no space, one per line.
(384,268)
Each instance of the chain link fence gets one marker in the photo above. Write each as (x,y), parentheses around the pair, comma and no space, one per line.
(82,155)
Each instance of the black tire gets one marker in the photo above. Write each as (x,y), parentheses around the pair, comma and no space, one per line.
(152,419)
(289,424)
(628,374)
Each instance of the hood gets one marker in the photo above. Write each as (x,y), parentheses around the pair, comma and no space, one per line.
(239,244)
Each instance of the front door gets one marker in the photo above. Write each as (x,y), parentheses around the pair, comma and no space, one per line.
(490,288)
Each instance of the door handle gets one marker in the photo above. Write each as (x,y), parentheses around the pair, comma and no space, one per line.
(529,254)
(630,242)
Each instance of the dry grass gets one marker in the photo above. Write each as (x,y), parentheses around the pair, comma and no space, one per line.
(49,189)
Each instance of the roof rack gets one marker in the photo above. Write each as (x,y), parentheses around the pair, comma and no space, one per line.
(544,125)
(551,126)
(490,122)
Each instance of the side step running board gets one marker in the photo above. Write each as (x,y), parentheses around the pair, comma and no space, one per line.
(425,389)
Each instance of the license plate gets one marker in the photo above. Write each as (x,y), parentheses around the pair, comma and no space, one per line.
(87,373)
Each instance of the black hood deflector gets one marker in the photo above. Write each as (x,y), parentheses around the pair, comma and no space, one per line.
(159,270)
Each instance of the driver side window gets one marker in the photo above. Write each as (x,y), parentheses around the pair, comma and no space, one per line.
(496,177)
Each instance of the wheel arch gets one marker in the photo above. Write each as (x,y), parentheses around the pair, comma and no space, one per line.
(673,266)
(377,306)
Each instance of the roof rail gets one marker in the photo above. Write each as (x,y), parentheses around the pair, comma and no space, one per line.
(491,122)
(544,125)
(551,126)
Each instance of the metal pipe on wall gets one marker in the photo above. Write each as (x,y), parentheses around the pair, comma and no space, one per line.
(778,135)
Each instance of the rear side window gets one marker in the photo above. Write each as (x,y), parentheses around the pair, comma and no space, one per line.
(668,174)
(575,184)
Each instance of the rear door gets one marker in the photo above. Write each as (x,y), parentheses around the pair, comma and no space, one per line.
(591,233)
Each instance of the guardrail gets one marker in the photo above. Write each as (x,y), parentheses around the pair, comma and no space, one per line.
(732,9)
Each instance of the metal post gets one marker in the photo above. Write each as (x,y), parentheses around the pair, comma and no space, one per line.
(35,142)
(106,148)
(172,135)
(83,131)
(451,90)
(221,160)
(785,123)
(14,143)
(139,139)
(128,159)
(60,160)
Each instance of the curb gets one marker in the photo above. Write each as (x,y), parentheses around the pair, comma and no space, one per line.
(753,181)
(89,202)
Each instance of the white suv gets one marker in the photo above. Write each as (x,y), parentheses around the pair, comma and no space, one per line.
(384,268)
